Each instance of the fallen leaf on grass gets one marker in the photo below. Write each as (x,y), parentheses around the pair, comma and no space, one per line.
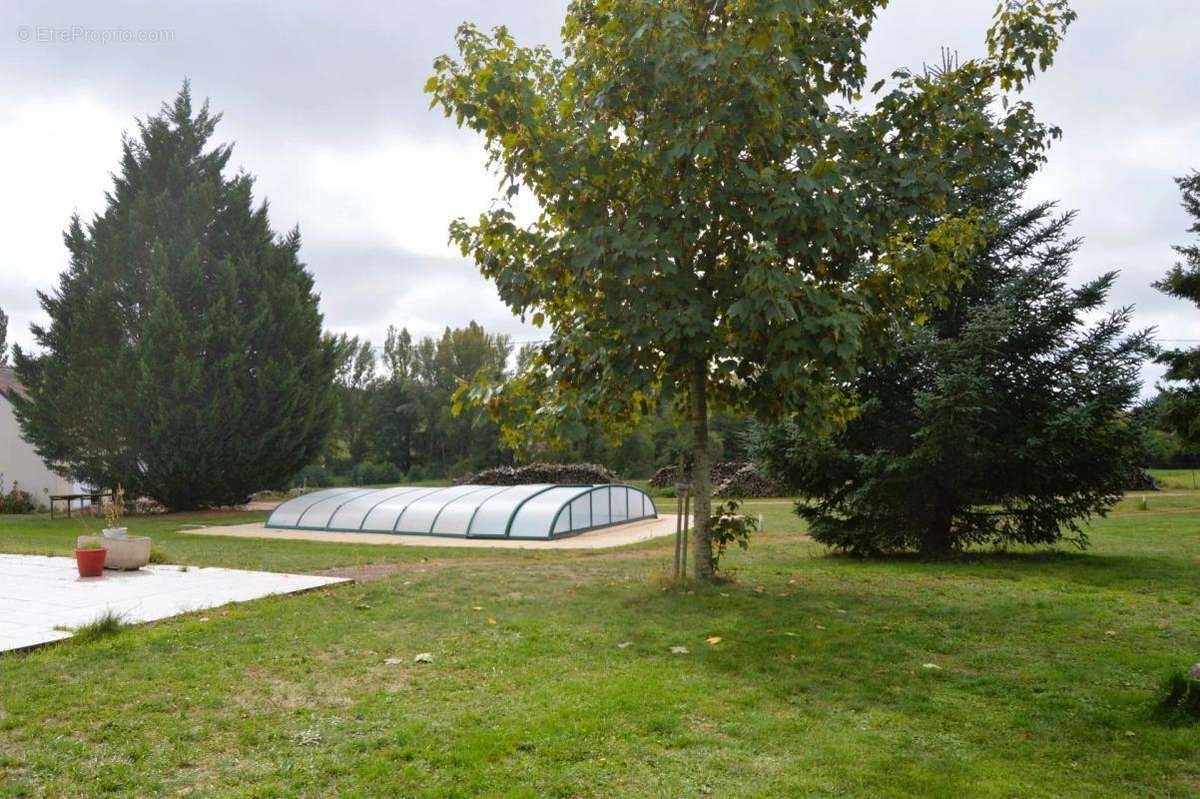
(680,650)
(820,626)
(624,644)
(393,661)
(491,620)
(477,607)
(931,666)
(424,657)
(713,640)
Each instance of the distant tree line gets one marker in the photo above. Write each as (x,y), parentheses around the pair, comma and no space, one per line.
(397,419)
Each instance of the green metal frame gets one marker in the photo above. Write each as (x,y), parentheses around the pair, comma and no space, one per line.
(611,523)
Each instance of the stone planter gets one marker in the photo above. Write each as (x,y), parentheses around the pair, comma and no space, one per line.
(124,554)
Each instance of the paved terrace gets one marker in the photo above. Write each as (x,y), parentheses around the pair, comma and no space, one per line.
(42,598)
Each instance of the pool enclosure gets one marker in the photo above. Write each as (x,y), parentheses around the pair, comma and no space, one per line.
(467,511)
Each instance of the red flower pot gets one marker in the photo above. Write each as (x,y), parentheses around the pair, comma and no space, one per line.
(90,561)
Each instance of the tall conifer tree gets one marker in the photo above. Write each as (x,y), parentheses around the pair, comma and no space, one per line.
(1003,420)
(184,356)
(1181,401)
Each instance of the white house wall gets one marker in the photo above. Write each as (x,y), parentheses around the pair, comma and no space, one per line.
(19,462)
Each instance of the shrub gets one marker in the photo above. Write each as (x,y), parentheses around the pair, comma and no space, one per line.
(372,473)
(314,476)
(588,473)
(727,526)
(343,467)
(1141,480)
(143,506)
(15,500)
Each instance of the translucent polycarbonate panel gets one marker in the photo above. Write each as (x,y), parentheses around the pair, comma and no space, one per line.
(563,525)
(288,514)
(456,517)
(318,515)
(600,507)
(353,514)
(619,504)
(496,511)
(527,511)
(536,516)
(420,515)
(383,517)
(581,512)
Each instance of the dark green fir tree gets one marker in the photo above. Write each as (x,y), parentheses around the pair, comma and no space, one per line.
(1002,420)
(184,357)
(1180,399)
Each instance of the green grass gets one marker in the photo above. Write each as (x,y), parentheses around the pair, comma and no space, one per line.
(1177,478)
(38,535)
(109,622)
(1050,667)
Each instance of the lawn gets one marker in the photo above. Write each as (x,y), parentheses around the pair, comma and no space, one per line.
(1177,478)
(1027,674)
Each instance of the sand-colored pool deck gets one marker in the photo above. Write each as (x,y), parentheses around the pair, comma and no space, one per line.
(616,536)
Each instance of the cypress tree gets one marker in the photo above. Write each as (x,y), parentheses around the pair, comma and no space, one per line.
(184,356)
(1181,401)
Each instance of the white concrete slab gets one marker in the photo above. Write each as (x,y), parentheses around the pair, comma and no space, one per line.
(38,594)
(606,537)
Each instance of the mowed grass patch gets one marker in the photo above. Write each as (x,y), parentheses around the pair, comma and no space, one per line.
(1187,479)
(1001,674)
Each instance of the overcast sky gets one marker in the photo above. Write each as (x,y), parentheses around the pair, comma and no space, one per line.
(326,109)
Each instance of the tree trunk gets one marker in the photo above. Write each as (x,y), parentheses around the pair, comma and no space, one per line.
(937,543)
(701,470)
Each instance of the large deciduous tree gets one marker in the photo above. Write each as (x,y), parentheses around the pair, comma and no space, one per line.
(1181,396)
(184,356)
(355,383)
(721,214)
(1005,419)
